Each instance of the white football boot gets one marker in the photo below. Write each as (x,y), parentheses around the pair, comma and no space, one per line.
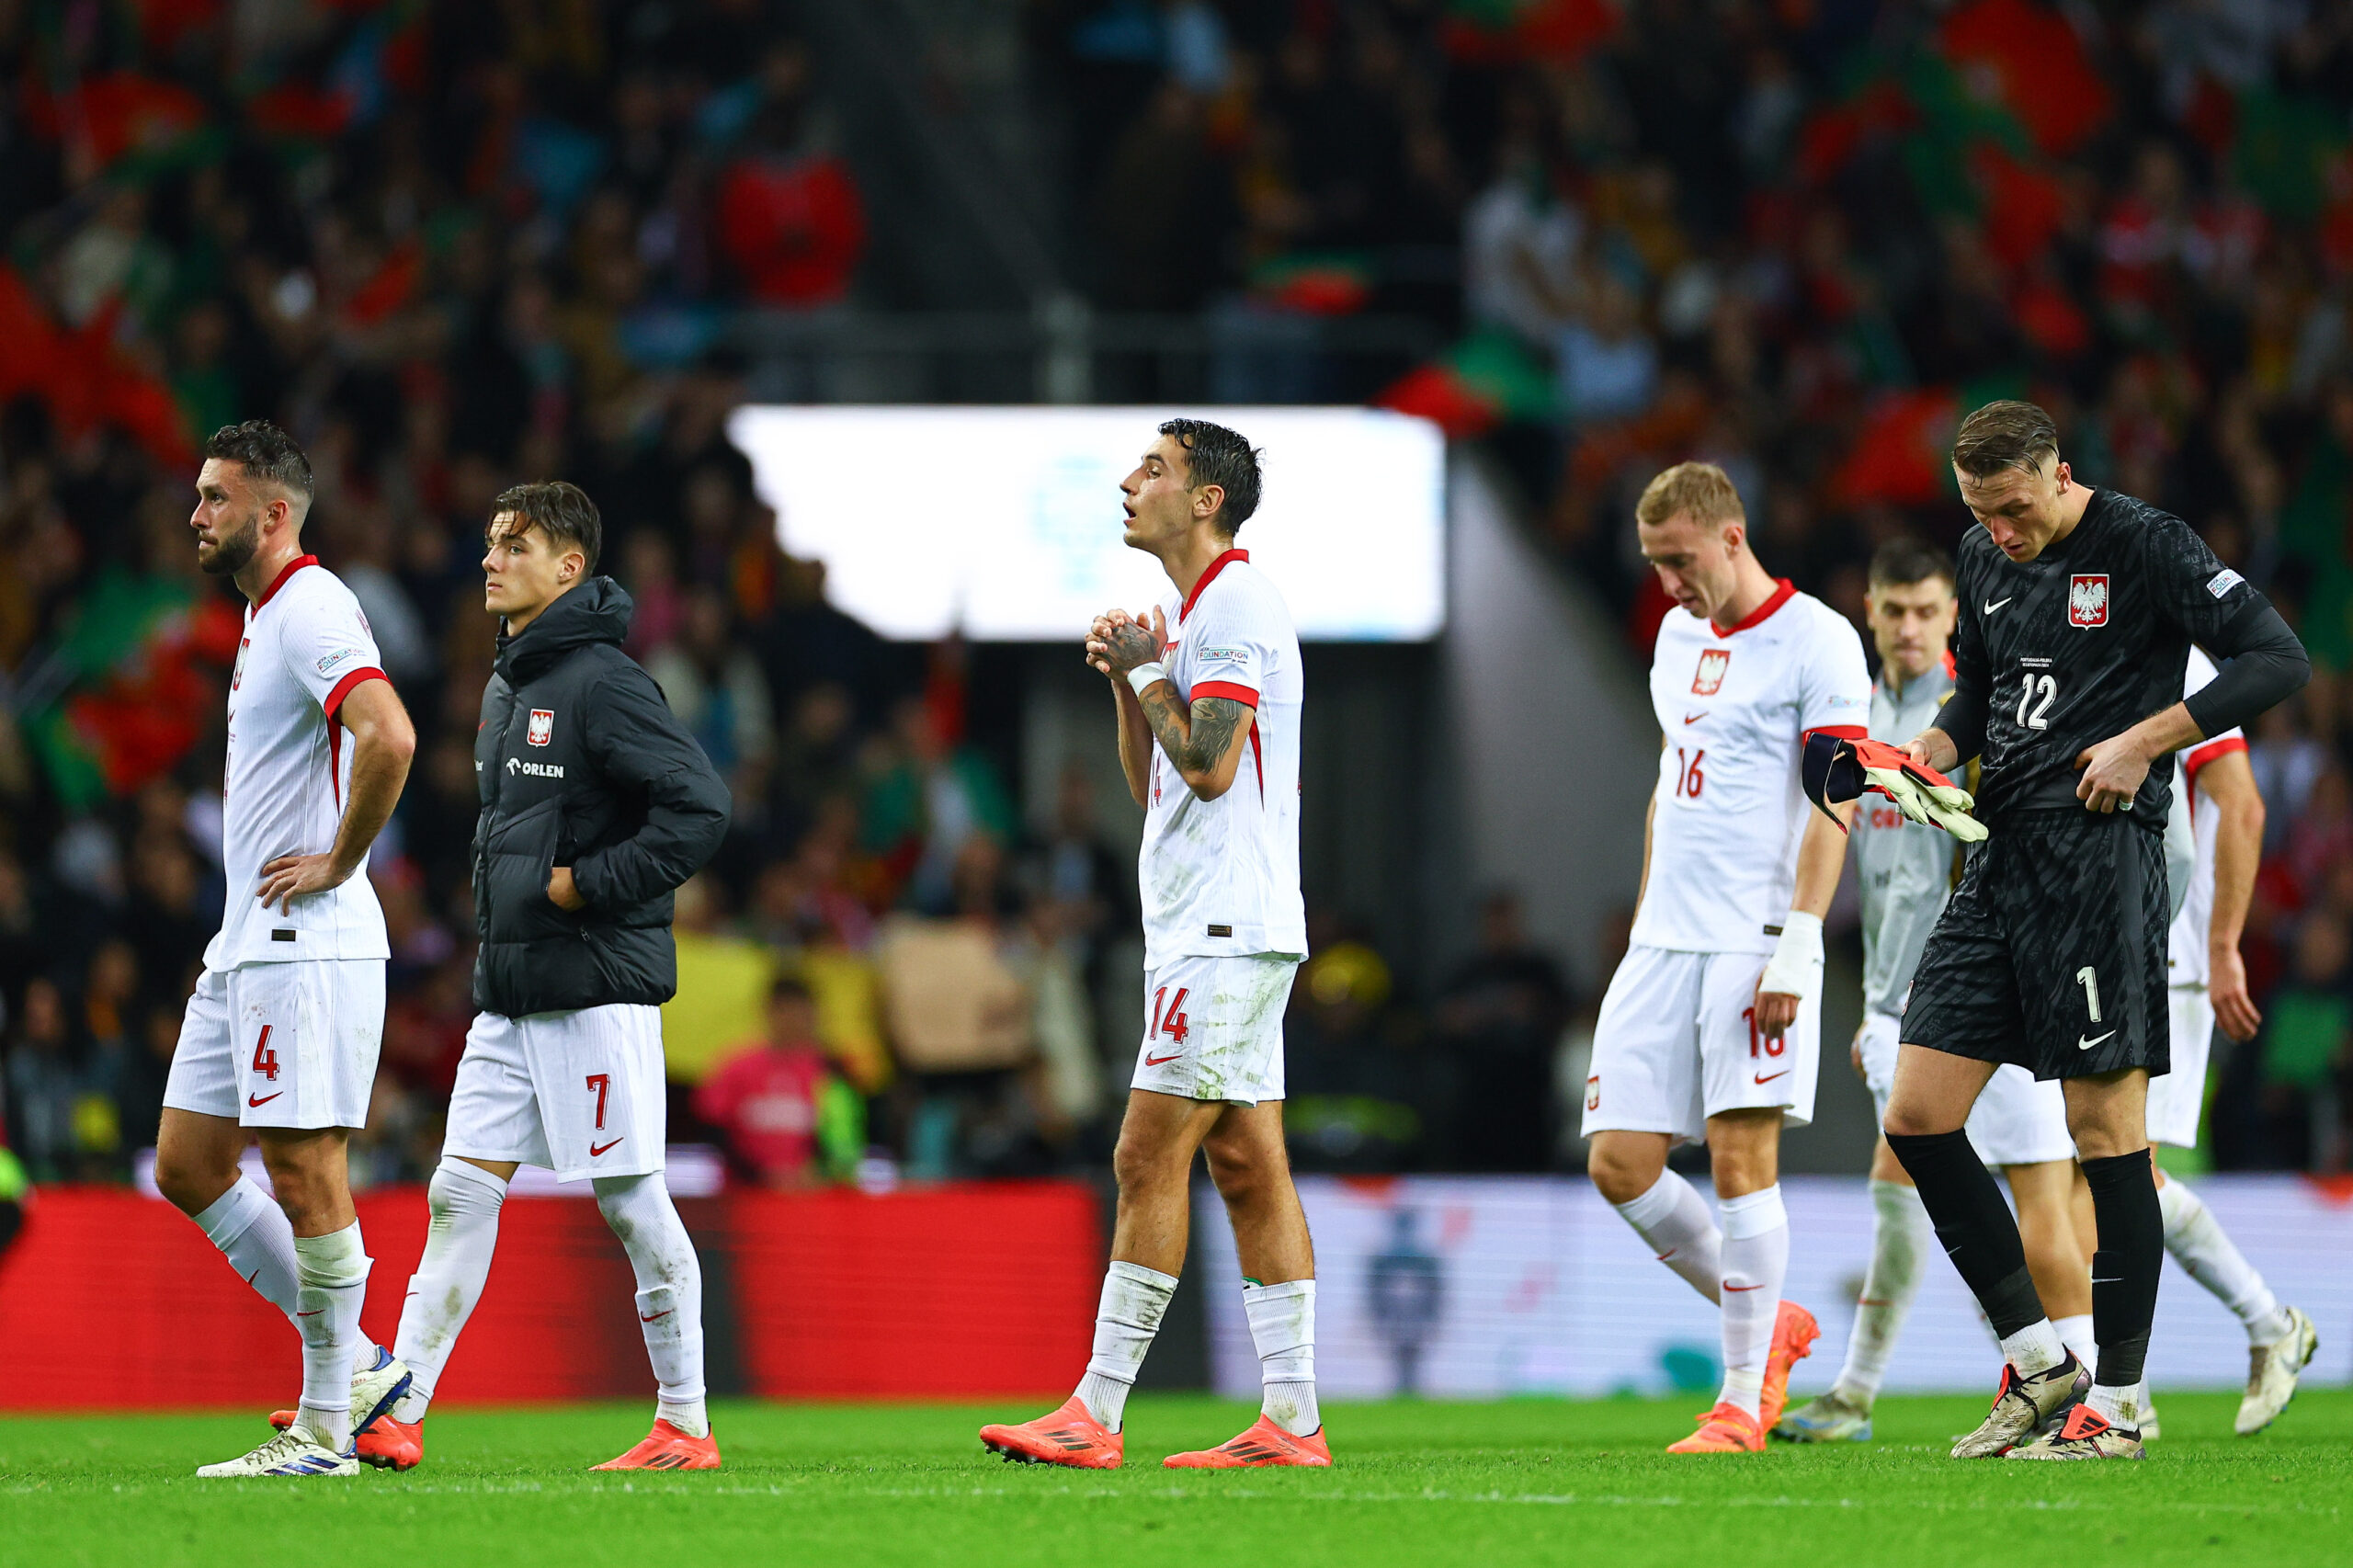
(292,1452)
(2272,1370)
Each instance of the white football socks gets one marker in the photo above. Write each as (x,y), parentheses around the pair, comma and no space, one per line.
(2207,1255)
(1674,1219)
(669,1291)
(255,1236)
(464,1200)
(1755,1261)
(2075,1333)
(1134,1300)
(1900,1236)
(2122,1404)
(2034,1349)
(332,1271)
(1282,1325)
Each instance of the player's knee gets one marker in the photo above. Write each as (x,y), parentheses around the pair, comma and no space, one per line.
(191,1185)
(1242,1175)
(1140,1165)
(1619,1178)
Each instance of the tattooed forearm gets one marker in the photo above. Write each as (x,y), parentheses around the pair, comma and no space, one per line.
(1130,645)
(1195,740)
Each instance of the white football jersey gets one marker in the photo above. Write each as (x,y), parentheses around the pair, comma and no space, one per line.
(2185,962)
(1729,808)
(1221,878)
(306,646)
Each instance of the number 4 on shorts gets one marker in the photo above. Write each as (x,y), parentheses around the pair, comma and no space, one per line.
(265,1059)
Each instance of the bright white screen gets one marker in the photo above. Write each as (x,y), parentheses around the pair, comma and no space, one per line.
(1005,523)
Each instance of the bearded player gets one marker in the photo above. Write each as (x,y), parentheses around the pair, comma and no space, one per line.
(1905,872)
(280,1039)
(1208,692)
(1711,1029)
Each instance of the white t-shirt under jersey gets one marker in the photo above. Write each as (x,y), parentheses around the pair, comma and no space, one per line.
(2186,960)
(306,646)
(1220,877)
(1731,808)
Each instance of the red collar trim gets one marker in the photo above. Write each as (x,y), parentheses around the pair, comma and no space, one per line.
(1208,577)
(1952,671)
(279,581)
(1757,616)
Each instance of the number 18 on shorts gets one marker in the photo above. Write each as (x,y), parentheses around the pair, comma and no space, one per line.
(1677,1042)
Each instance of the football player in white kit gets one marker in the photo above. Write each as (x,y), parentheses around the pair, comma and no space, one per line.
(1711,1029)
(280,1040)
(1208,693)
(1906,870)
(2206,982)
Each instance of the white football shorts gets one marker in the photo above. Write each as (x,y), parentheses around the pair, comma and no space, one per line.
(1213,1028)
(291,1044)
(2177,1100)
(1676,1044)
(2017,1120)
(581,1093)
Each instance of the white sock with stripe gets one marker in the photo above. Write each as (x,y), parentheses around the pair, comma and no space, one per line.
(1900,1236)
(1674,1219)
(255,1236)
(464,1200)
(669,1292)
(333,1274)
(1757,1260)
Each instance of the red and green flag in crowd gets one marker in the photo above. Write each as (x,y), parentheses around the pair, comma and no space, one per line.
(1488,378)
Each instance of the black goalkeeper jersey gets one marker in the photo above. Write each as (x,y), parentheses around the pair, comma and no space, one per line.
(2082,643)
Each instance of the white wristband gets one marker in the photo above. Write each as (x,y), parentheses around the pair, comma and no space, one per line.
(1143,675)
(1795,969)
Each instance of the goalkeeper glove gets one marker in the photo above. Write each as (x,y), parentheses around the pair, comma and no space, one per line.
(1836,771)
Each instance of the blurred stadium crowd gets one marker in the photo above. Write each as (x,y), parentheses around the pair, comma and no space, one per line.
(452,247)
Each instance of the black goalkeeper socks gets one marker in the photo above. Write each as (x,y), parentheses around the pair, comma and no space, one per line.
(1976,1227)
(2125,1269)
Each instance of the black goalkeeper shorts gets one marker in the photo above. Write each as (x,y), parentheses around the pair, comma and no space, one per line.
(2051,953)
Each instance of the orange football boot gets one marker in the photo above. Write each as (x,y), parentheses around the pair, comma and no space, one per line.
(1264,1444)
(1794,1332)
(667,1447)
(1726,1429)
(385,1443)
(1071,1435)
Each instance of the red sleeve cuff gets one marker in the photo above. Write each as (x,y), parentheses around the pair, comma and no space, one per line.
(2197,756)
(1227,689)
(343,688)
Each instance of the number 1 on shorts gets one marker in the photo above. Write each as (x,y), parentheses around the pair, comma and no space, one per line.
(2091,990)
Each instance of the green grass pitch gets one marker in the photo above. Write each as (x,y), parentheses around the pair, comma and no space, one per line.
(1529,1481)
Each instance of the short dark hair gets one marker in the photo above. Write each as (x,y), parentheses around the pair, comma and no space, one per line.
(2007,434)
(1903,560)
(265,453)
(1215,455)
(790,988)
(560,510)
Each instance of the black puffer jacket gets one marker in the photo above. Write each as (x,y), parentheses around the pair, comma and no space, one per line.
(581,764)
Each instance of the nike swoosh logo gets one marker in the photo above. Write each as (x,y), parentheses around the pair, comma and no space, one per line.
(596,1149)
(256,1101)
(1693,718)
(1768,1078)
(312,1313)
(2083,1044)
(1156,1060)
(1992,605)
(2098,1280)
(657,1317)
(1759,1286)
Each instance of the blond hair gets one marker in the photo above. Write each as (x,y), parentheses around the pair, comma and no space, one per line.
(1703,490)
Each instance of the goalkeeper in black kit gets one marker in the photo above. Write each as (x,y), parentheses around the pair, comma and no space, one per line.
(2077,610)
